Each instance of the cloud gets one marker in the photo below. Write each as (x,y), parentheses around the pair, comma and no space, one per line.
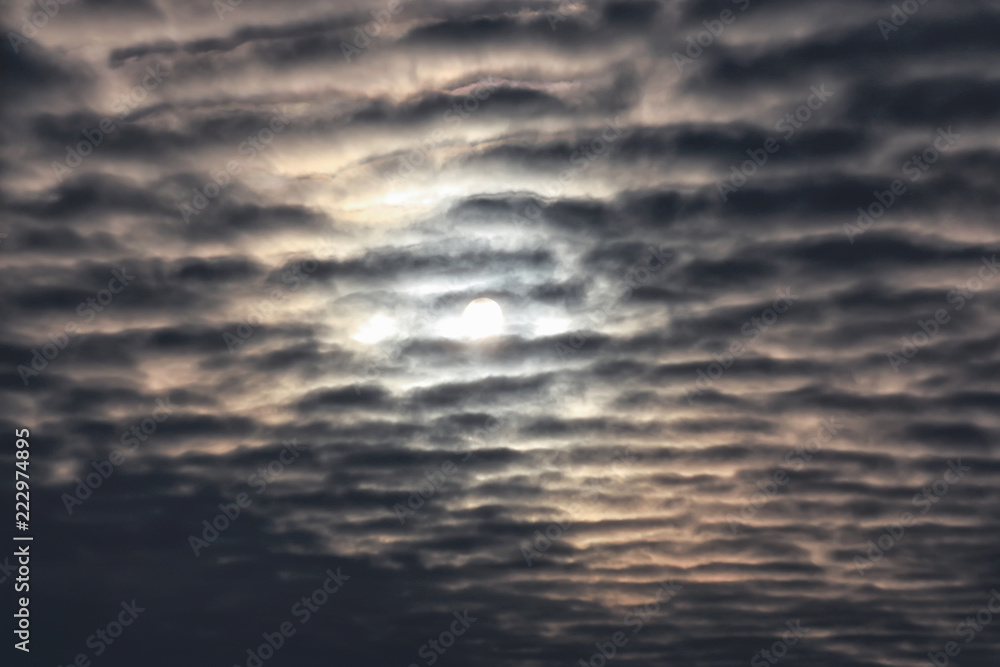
(316,299)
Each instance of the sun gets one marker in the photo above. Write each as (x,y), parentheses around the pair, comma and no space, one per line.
(482,318)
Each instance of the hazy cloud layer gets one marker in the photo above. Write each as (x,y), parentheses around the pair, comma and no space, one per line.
(746,252)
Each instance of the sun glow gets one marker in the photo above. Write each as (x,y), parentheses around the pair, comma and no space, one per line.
(376,329)
(482,318)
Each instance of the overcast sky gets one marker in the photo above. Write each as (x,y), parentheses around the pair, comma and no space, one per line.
(746,255)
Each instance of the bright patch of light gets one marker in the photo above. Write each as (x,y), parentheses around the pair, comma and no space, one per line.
(376,329)
(482,318)
(551,326)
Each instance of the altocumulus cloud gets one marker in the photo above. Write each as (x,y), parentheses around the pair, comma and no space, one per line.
(463,151)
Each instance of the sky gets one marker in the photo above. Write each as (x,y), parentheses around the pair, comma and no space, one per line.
(742,406)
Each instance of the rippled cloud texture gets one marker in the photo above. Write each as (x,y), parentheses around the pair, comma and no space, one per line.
(743,410)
